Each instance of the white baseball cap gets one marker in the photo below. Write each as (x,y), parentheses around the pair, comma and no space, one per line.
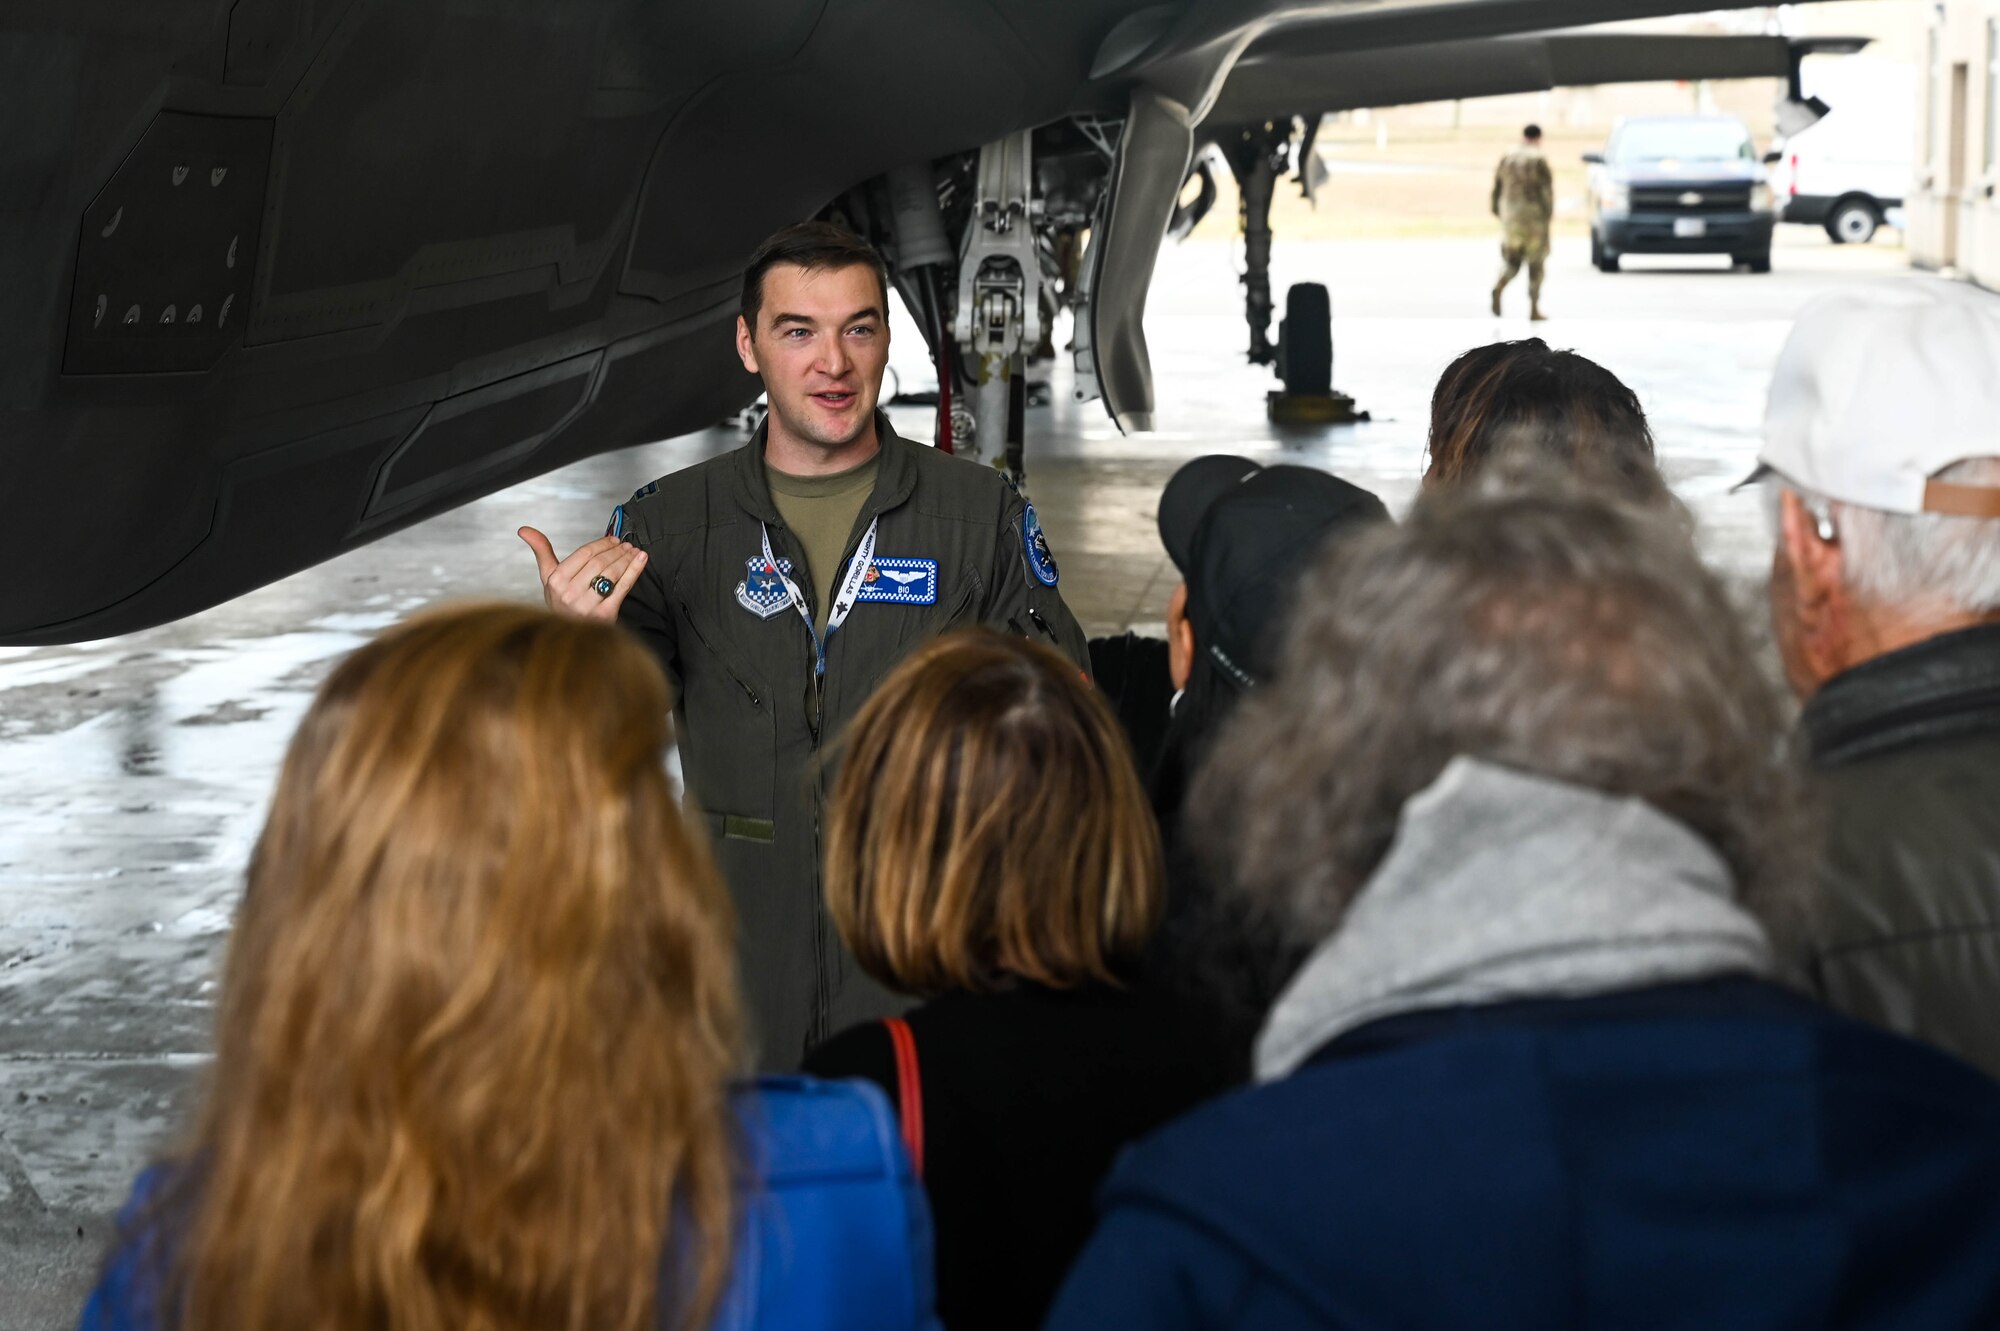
(1882,386)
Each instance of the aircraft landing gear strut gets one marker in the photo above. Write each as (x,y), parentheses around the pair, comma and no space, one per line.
(1000,301)
(1256,157)
(1302,356)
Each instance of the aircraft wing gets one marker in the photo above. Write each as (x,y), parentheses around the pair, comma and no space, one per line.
(1274,82)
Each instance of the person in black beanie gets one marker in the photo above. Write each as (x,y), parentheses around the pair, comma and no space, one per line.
(1241,535)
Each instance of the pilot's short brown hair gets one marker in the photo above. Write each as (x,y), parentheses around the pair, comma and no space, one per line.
(987,824)
(815,247)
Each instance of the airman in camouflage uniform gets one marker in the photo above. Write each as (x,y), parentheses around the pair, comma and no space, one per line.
(1524,199)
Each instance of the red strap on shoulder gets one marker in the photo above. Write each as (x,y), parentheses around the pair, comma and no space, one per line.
(909,1089)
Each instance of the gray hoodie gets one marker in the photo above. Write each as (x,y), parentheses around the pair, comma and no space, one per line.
(1502,886)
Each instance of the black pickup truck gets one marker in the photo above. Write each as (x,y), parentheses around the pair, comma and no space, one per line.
(1680,185)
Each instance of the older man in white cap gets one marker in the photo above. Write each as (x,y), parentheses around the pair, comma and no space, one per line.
(1880,448)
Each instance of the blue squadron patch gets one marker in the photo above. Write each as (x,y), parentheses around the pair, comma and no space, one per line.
(762,592)
(900,581)
(1040,562)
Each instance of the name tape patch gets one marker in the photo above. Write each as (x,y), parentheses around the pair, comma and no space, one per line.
(900,581)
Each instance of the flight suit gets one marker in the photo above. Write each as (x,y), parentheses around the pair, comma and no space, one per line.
(1524,199)
(955,545)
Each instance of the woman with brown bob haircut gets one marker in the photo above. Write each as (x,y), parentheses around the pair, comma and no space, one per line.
(477,1027)
(1525,407)
(991,850)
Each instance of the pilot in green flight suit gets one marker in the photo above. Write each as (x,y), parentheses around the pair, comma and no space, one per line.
(778,584)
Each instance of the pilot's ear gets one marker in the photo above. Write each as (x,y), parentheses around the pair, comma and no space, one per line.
(746,350)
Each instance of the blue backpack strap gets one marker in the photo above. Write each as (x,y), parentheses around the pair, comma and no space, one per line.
(836,1234)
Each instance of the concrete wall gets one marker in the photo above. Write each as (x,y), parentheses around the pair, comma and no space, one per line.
(1954,211)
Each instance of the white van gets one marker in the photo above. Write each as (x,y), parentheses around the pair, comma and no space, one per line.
(1849,172)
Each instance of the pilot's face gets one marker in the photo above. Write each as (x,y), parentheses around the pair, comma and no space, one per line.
(821,344)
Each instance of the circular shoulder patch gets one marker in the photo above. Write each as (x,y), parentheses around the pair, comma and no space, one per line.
(1040,562)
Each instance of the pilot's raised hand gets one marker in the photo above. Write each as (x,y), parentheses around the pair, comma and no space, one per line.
(592,582)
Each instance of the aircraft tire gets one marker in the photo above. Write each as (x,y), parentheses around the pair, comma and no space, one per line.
(1305,340)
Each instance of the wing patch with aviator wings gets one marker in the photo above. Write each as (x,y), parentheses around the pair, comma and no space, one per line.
(900,581)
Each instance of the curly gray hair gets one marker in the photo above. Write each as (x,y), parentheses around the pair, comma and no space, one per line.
(1554,630)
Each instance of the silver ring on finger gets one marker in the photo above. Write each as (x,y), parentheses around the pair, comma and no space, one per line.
(603,586)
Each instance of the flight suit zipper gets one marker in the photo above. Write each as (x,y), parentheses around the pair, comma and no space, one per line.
(820,1019)
(819,1028)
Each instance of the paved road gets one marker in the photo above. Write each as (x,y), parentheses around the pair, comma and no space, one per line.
(133,771)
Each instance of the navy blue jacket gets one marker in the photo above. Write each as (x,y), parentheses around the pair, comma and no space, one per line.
(1716,1155)
(834,1233)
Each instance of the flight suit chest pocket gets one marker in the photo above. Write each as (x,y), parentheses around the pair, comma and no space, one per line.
(895,630)
(728,734)
(880,632)
(944,598)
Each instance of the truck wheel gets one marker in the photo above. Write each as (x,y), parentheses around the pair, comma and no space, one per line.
(1760,262)
(1853,221)
(1305,340)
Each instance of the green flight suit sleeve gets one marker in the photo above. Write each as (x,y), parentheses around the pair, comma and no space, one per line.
(647,609)
(1022,593)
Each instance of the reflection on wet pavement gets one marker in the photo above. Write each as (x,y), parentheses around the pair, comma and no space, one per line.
(134,771)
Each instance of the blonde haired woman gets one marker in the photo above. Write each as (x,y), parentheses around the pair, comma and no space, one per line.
(476,1034)
(990,849)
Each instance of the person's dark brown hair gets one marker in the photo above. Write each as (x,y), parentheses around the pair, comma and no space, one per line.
(479,1014)
(815,247)
(987,824)
(1525,403)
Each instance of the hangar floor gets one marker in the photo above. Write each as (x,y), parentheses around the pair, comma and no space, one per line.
(133,771)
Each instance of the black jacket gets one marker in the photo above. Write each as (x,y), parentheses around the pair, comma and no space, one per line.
(751,724)
(1908,750)
(1028,1095)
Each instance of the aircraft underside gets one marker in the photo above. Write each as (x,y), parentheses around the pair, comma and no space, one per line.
(278,277)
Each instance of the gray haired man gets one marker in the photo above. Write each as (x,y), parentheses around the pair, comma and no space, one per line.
(1880,449)
(1521,793)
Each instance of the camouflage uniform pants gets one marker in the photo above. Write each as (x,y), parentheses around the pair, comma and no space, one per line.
(1524,241)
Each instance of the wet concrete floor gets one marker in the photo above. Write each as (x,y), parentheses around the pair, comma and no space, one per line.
(134,771)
